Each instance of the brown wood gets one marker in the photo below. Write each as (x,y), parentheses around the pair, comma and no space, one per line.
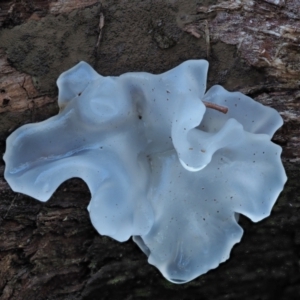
(50,250)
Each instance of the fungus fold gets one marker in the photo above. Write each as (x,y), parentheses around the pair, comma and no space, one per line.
(166,162)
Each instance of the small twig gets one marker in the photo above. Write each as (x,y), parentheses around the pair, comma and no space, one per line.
(12,202)
(101,25)
(217,107)
(207,38)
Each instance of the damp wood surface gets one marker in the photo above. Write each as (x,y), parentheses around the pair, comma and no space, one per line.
(50,250)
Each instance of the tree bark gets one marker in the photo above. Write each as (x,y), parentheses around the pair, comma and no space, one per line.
(50,250)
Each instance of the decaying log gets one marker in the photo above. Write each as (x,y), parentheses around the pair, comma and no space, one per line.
(50,250)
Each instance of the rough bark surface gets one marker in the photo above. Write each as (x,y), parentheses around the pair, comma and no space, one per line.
(50,250)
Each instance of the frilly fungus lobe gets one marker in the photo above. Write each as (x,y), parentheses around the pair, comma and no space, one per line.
(161,166)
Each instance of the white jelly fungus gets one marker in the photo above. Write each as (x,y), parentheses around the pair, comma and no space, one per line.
(162,160)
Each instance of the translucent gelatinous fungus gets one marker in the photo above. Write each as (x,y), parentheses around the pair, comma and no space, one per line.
(165,162)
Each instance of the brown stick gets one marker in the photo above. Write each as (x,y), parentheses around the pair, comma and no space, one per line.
(217,107)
